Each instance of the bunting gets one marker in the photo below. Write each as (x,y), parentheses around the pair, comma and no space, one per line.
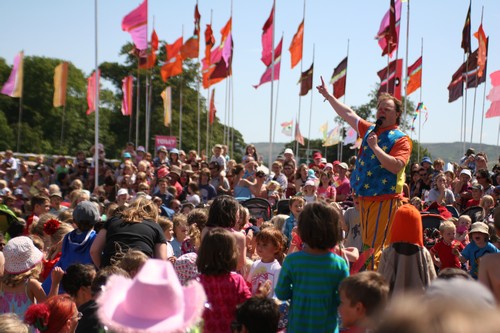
(306,80)
(13,87)
(414,76)
(466,32)
(482,50)
(266,77)
(136,24)
(166,96)
(212,110)
(92,85)
(296,45)
(173,65)
(339,78)
(60,82)
(494,96)
(390,78)
(191,48)
(267,39)
(298,136)
(388,33)
(287,128)
(127,90)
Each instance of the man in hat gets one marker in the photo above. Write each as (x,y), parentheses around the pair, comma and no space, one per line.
(317,161)
(378,177)
(55,203)
(161,157)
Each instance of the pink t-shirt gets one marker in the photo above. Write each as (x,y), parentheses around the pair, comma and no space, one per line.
(224,293)
(327,193)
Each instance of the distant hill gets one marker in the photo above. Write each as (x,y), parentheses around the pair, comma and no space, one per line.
(447,151)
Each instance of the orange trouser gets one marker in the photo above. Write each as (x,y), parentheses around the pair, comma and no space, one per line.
(376,222)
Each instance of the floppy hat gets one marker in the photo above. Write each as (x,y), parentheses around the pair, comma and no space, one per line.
(154,301)
(466,172)
(310,183)
(141,148)
(479,227)
(288,151)
(185,267)
(21,255)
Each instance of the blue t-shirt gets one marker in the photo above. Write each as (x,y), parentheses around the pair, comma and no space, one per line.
(472,253)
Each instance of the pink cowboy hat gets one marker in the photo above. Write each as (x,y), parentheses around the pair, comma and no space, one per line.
(154,301)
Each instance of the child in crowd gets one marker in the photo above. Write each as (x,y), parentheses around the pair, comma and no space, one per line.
(180,233)
(296,207)
(130,261)
(217,260)
(362,297)
(167,226)
(487,203)
(478,247)
(463,225)
(309,191)
(193,194)
(39,205)
(326,191)
(310,278)
(55,230)
(19,286)
(77,243)
(273,194)
(270,250)
(442,251)
(352,226)
(257,315)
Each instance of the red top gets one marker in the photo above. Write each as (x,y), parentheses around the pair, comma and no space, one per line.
(445,253)
(48,265)
(224,293)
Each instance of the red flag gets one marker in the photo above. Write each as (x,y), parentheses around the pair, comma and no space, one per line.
(136,24)
(494,96)
(127,85)
(173,49)
(297,44)
(267,39)
(471,69)
(414,76)
(481,56)
(306,80)
(209,41)
(213,110)
(298,136)
(190,49)
(388,33)
(92,85)
(456,86)
(339,78)
(221,58)
(466,33)
(390,78)
(151,59)
(173,65)
(266,77)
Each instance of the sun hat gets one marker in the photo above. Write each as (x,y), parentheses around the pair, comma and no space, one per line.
(127,155)
(466,172)
(162,149)
(162,172)
(328,165)
(344,165)
(310,183)
(86,211)
(185,267)
(407,226)
(174,151)
(56,194)
(288,151)
(477,187)
(121,191)
(141,148)
(21,255)
(311,174)
(426,159)
(449,168)
(479,227)
(154,301)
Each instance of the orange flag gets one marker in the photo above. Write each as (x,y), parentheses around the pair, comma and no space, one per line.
(481,56)
(213,110)
(173,65)
(190,49)
(296,45)
(151,59)
(60,82)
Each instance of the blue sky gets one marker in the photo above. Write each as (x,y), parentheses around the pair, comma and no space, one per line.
(65,29)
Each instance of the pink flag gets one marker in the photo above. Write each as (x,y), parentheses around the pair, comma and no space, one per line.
(385,26)
(92,85)
(267,39)
(298,136)
(494,96)
(127,84)
(351,136)
(136,24)
(266,77)
(14,85)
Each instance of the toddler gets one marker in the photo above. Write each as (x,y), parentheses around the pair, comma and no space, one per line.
(443,249)
(463,224)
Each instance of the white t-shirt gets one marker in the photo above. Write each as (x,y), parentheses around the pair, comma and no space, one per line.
(260,272)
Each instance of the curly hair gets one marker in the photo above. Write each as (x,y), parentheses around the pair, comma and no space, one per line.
(140,209)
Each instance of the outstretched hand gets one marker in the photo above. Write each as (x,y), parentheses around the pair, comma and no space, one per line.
(322,89)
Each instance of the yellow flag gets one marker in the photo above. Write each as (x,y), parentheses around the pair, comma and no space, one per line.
(60,81)
(166,95)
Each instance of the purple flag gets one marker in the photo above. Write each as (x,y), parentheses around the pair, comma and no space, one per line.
(14,85)
(136,24)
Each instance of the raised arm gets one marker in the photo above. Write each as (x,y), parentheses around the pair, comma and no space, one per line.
(340,108)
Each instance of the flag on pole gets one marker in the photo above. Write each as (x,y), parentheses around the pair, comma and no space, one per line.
(472,78)
(351,136)
(333,137)
(267,39)
(151,57)
(323,129)
(13,87)
(127,88)
(338,79)
(287,128)
(60,82)
(482,50)
(221,57)
(92,85)
(456,86)
(298,136)
(306,80)
(207,67)
(136,24)
(266,77)
(466,33)
(297,44)
(173,64)
(494,96)
(166,96)
(191,48)
(213,110)
(390,78)
(414,76)
(388,33)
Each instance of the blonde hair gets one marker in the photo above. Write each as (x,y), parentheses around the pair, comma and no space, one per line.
(447,225)
(11,323)
(141,209)
(130,261)
(13,280)
(279,221)
(487,200)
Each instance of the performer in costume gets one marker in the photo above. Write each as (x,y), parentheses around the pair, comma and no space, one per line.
(378,177)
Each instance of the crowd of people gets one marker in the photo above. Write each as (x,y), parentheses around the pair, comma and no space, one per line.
(164,243)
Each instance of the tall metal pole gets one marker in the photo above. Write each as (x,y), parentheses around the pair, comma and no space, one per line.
(310,110)
(272,93)
(300,97)
(420,100)
(96,104)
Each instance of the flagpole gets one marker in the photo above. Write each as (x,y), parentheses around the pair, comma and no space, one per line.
(62,126)
(475,92)
(272,92)
(20,117)
(208,99)
(276,105)
(344,101)
(310,108)
(300,97)
(198,90)
(96,104)
(232,118)
(420,97)
(137,104)
(406,60)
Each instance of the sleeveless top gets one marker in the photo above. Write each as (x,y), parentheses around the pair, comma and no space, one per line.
(242,192)
(13,302)
(369,178)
